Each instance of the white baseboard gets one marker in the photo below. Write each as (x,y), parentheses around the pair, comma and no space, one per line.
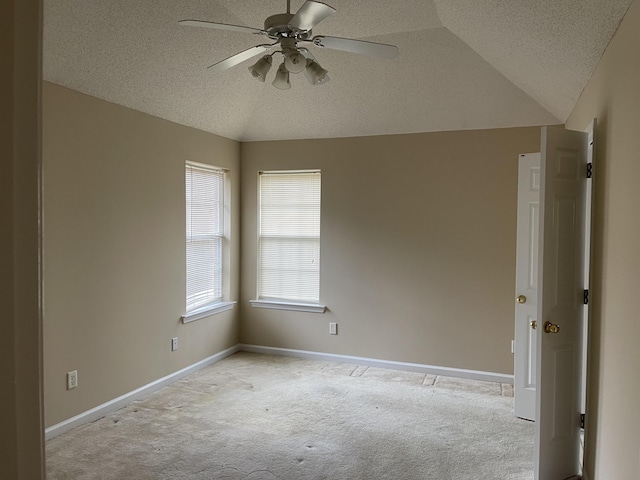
(372,362)
(123,400)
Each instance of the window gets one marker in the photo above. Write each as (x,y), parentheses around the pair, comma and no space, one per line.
(205,240)
(289,240)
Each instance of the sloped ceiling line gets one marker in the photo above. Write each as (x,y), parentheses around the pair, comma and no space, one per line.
(548,48)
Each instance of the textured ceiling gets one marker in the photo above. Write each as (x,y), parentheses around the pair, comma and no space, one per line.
(463,64)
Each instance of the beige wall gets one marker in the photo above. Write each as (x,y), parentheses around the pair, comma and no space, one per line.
(613,96)
(114,253)
(417,246)
(21,436)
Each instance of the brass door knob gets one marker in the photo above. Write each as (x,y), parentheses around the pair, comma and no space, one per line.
(551,327)
(534,324)
(521,299)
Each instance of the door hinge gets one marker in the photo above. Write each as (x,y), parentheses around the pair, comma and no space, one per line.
(585,298)
(589,170)
(582,421)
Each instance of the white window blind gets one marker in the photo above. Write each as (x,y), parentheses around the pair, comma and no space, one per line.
(205,235)
(289,236)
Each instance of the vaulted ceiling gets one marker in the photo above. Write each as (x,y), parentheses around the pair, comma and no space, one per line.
(463,64)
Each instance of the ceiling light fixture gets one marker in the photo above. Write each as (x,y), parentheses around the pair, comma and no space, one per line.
(260,69)
(295,60)
(282,78)
(315,73)
(290,31)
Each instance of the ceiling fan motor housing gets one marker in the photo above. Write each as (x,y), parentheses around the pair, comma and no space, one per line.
(277,27)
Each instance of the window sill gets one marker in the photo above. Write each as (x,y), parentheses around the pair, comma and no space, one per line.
(207,311)
(280,305)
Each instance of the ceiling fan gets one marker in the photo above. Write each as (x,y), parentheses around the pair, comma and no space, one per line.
(291,32)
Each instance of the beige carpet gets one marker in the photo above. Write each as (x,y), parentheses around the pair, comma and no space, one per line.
(263,417)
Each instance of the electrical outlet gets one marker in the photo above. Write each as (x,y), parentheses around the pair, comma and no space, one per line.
(174,344)
(333,328)
(72,380)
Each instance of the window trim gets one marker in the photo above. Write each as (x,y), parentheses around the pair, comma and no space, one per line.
(222,304)
(207,311)
(281,303)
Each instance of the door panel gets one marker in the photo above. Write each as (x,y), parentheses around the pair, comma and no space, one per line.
(527,285)
(560,285)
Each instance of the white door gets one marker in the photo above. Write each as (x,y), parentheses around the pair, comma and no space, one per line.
(563,166)
(526,285)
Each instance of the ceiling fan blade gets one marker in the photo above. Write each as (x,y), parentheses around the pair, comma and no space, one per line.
(221,26)
(310,14)
(357,46)
(238,58)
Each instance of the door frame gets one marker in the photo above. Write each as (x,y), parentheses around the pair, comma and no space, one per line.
(589,237)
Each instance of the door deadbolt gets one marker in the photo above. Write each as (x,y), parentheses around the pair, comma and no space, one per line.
(551,327)
(521,299)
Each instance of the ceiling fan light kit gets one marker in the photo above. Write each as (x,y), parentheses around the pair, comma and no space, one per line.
(315,73)
(282,78)
(260,69)
(295,61)
(288,30)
